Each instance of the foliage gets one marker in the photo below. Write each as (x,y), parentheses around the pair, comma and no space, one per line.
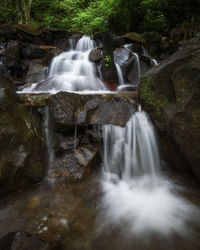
(89,16)
(107,60)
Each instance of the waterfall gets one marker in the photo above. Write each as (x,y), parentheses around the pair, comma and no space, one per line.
(48,141)
(137,66)
(72,70)
(137,71)
(133,150)
(135,193)
(154,62)
(119,74)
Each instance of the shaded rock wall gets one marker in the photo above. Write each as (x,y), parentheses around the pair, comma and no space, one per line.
(171,93)
(21,142)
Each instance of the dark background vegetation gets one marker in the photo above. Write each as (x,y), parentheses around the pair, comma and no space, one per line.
(118,16)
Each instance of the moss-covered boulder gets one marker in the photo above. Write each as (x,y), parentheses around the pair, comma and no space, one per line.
(21,142)
(171,93)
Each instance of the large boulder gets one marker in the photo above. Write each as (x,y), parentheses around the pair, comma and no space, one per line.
(21,142)
(171,93)
(68,109)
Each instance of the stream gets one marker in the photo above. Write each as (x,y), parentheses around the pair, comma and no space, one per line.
(127,202)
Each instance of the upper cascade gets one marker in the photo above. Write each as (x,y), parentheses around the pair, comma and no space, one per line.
(72,71)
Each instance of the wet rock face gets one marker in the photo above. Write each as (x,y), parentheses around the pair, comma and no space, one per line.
(21,143)
(68,109)
(76,134)
(77,121)
(22,241)
(76,163)
(171,93)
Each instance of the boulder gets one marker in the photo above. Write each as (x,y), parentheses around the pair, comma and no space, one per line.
(34,51)
(171,93)
(95,55)
(75,162)
(37,71)
(21,142)
(68,109)
(135,37)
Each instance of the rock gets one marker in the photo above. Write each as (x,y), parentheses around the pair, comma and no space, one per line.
(27,33)
(153,42)
(135,37)
(95,55)
(11,56)
(152,38)
(21,142)
(33,51)
(127,88)
(74,166)
(37,71)
(108,68)
(29,29)
(171,93)
(68,109)
(22,241)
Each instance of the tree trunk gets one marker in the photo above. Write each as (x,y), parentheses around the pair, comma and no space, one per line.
(26,8)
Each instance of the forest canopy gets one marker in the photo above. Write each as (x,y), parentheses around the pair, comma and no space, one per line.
(89,16)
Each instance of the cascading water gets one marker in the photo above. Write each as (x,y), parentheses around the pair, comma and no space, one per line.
(135,192)
(119,74)
(72,70)
(137,71)
(48,140)
(137,66)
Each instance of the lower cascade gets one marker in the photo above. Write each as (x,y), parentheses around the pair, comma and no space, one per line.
(136,194)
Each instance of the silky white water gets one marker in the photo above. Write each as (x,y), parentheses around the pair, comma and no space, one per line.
(119,74)
(71,71)
(136,195)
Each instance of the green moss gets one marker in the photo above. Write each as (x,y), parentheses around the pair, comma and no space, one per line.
(107,60)
(156,101)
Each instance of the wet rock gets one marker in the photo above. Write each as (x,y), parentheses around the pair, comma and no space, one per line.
(127,88)
(37,71)
(11,56)
(68,109)
(95,55)
(153,41)
(108,68)
(135,37)
(22,241)
(35,100)
(171,93)
(21,142)
(75,165)
(34,51)
(27,33)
